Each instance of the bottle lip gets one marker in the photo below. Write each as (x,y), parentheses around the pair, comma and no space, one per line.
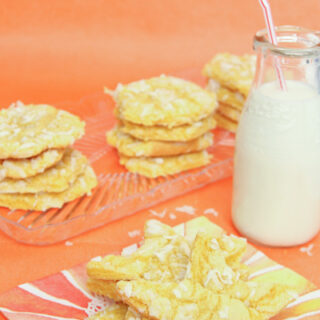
(308,39)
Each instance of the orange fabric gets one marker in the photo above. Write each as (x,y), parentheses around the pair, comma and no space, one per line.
(23,263)
(54,51)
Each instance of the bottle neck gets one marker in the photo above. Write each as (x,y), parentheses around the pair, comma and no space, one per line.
(298,69)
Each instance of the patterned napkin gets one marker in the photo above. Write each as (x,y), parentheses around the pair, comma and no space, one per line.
(64,296)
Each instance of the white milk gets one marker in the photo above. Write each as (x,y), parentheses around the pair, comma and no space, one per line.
(276,198)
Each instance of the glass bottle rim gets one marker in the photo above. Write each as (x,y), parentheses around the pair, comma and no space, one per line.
(290,34)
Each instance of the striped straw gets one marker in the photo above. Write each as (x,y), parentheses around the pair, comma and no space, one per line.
(273,38)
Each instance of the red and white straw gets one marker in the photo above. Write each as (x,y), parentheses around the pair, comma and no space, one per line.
(273,38)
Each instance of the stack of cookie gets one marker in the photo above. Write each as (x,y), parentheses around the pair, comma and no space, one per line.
(230,77)
(198,276)
(38,168)
(164,125)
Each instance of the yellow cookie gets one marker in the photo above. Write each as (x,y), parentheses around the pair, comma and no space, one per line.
(182,300)
(157,237)
(227,96)
(164,100)
(46,200)
(56,179)
(159,258)
(232,71)
(28,130)
(229,112)
(131,147)
(180,133)
(215,264)
(25,168)
(269,298)
(155,229)
(105,288)
(133,315)
(266,298)
(225,123)
(156,167)
(234,99)
(116,311)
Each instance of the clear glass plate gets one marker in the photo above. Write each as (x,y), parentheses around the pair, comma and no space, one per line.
(119,193)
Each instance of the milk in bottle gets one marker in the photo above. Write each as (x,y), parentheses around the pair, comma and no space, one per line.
(276,192)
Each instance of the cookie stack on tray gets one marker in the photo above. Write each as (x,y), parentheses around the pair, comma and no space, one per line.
(164,125)
(38,167)
(230,77)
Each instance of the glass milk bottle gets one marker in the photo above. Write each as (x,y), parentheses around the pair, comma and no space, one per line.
(276,190)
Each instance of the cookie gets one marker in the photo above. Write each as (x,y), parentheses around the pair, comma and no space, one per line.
(133,315)
(155,229)
(215,264)
(226,96)
(116,311)
(229,112)
(132,147)
(164,100)
(25,168)
(183,300)
(225,123)
(180,133)
(46,200)
(164,280)
(105,288)
(269,298)
(232,98)
(163,166)
(28,130)
(159,258)
(56,179)
(232,71)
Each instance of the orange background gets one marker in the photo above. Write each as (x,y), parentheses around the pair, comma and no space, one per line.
(65,49)
(53,51)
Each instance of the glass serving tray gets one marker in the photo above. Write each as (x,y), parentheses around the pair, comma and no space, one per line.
(119,193)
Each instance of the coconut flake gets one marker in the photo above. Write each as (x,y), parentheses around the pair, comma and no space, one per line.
(186,209)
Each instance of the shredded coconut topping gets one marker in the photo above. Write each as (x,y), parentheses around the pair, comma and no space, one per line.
(186,209)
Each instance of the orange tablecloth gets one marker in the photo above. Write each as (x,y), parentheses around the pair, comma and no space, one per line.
(59,50)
